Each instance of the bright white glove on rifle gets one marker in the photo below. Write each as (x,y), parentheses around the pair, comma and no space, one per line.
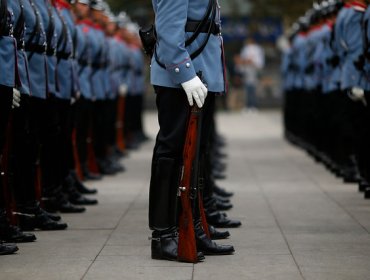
(195,89)
(16,98)
(357,94)
(122,90)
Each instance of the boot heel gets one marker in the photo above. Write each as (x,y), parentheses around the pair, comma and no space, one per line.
(156,248)
(26,222)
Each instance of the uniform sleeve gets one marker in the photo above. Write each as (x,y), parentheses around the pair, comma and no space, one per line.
(171,17)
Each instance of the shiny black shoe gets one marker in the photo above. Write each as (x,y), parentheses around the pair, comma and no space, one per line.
(61,205)
(362,186)
(54,217)
(217,235)
(222,192)
(220,220)
(223,206)
(78,199)
(36,219)
(367,193)
(221,198)
(164,246)
(209,247)
(89,175)
(218,175)
(82,189)
(73,196)
(8,249)
(13,234)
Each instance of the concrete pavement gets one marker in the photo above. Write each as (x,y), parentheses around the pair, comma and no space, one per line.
(299,222)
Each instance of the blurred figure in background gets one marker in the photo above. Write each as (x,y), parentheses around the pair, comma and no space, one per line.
(250,63)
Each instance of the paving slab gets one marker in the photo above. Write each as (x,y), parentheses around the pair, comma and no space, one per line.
(299,221)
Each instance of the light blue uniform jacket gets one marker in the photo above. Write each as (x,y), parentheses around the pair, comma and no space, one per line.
(299,60)
(170,19)
(23,86)
(37,64)
(65,75)
(98,52)
(327,55)
(46,11)
(84,59)
(350,44)
(366,73)
(69,20)
(8,54)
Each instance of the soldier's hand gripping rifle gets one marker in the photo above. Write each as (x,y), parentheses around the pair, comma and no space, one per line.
(187,249)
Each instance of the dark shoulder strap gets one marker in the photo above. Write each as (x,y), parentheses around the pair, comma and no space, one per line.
(211,12)
(3,16)
(37,29)
(201,23)
(51,28)
(19,26)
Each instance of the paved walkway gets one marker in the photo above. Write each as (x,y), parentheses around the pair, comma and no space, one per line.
(298,221)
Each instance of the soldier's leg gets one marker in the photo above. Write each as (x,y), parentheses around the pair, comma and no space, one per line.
(214,217)
(25,151)
(173,111)
(70,182)
(5,107)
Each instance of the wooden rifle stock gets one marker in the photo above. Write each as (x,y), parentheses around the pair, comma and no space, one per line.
(187,249)
(120,139)
(76,157)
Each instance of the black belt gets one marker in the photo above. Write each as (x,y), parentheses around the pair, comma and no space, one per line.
(50,51)
(63,55)
(83,62)
(191,26)
(34,48)
(99,65)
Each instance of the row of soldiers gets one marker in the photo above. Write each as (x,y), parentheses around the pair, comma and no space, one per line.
(326,74)
(71,95)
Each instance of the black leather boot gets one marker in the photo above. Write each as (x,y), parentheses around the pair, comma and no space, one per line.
(362,186)
(367,193)
(217,235)
(207,246)
(57,201)
(62,205)
(8,249)
(163,208)
(89,175)
(81,188)
(10,233)
(222,192)
(220,220)
(32,217)
(164,245)
(70,189)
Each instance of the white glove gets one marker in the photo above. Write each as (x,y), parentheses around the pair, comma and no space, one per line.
(122,90)
(195,89)
(357,94)
(16,98)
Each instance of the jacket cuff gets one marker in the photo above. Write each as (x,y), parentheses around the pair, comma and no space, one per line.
(181,72)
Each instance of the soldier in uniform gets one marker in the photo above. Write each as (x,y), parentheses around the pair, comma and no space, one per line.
(68,88)
(349,42)
(9,232)
(84,104)
(7,84)
(134,99)
(175,80)
(29,129)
